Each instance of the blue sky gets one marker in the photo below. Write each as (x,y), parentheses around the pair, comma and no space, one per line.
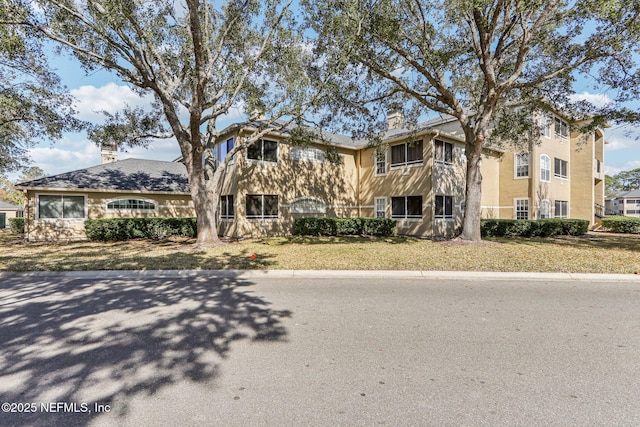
(102,90)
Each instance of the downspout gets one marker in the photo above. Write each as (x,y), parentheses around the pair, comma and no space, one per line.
(532,186)
(26,214)
(358,177)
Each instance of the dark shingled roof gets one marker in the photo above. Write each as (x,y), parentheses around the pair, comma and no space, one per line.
(128,174)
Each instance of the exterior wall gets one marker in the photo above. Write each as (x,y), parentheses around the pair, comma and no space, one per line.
(10,214)
(401,181)
(449,180)
(334,186)
(490,170)
(511,188)
(582,166)
(167,205)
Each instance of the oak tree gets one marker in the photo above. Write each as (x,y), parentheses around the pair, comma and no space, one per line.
(490,64)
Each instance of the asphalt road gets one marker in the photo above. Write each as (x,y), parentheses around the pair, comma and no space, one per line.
(381,350)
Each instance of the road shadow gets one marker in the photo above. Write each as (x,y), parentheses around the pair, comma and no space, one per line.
(92,341)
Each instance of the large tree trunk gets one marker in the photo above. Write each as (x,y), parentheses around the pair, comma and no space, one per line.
(473,194)
(205,202)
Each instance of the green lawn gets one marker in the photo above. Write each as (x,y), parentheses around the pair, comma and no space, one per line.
(594,253)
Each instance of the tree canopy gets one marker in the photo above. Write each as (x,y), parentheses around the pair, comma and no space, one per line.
(490,64)
(198,59)
(34,105)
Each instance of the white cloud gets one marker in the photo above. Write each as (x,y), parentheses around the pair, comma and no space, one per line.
(65,156)
(110,98)
(623,137)
(597,99)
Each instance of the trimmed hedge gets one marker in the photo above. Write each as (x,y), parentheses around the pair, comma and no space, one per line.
(531,228)
(622,224)
(383,227)
(16,225)
(134,228)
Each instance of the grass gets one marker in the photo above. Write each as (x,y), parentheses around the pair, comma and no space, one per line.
(594,253)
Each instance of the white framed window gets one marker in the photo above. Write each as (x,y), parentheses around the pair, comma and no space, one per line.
(406,207)
(521,165)
(60,206)
(521,209)
(226,207)
(263,150)
(545,168)
(561,128)
(131,204)
(381,207)
(381,162)
(310,154)
(262,206)
(443,151)
(444,207)
(560,168)
(561,209)
(545,126)
(409,153)
(222,149)
(545,209)
(307,205)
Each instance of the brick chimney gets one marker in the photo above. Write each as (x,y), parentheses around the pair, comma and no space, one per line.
(109,152)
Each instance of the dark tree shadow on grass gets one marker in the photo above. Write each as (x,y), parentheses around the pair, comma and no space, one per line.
(99,341)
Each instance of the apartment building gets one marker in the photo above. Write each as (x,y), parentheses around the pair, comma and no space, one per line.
(416,176)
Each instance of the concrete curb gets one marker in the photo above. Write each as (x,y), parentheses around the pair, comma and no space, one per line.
(392,274)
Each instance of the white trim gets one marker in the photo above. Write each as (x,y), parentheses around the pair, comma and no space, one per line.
(515,207)
(37,207)
(100,190)
(516,157)
(115,199)
(386,162)
(375,208)
(550,168)
(264,162)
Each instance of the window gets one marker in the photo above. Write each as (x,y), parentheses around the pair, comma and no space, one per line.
(545,209)
(406,207)
(263,150)
(560,168)
(381,207)
(262,206)
(311,154)
(61,207)
(443,151)
(545,168)
(132,204)
(308,205)
(409,153)
(381,162)
(223,149)
(522,209)
(444,207)
(545,126)
(561,128)
(226,207)
(562,209)
(521,163)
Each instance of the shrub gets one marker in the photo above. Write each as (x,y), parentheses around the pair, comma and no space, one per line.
(132,228)
(344,227)
(622,224)
(16,225)
(531,228)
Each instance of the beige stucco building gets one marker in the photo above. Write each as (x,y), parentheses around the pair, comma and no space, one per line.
(416,176)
